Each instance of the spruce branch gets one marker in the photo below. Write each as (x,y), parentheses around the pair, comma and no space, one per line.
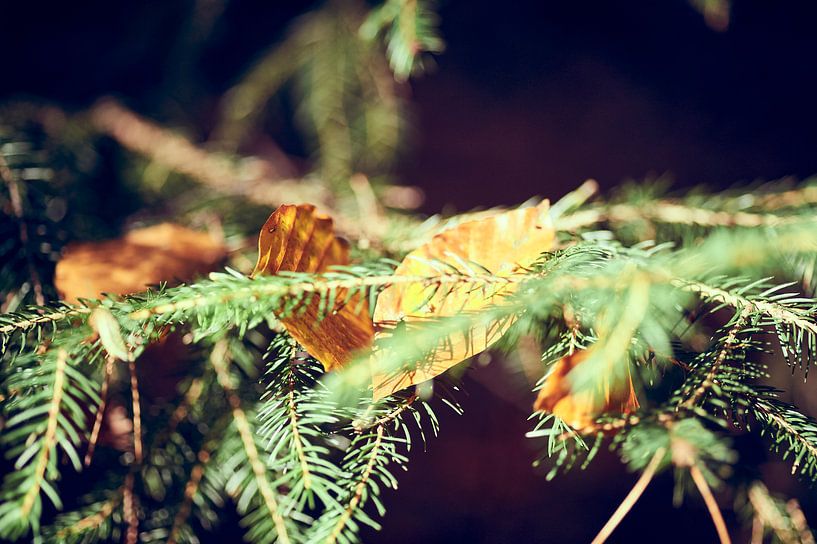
(792,432)
(49,437)
(360,488)
(219,360)
(91,523)
(44,418)
(191,489)
(295,418)
(252,178)
(726,346)
(785,520)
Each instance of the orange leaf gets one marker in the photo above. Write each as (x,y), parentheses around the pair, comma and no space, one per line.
(579,408)
(142,257)
(297,239)
(504,244)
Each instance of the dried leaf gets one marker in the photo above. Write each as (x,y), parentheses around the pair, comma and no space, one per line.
(579,408)
(297,239)
(502,244)
(142,257)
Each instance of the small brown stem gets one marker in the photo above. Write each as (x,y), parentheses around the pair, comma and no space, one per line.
(17,208)
(189,492)
(711,504)
(362,425)
(100,411)
(129,510)
(631,498)
(137,413)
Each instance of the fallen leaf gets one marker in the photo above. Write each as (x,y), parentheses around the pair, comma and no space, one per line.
(502,244)
(142,257)
(579,408)
(298,239)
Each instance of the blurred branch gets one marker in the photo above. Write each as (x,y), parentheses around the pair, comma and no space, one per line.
(16,200)
(251,177)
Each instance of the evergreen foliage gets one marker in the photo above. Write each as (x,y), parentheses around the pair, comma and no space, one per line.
(690,295)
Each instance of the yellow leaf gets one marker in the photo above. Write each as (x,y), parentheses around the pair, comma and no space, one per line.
(579,408)
(504,244)
(297,239)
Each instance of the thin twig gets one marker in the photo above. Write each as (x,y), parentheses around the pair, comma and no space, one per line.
(100,411)
(361,425)
(95,520)
(129,510)
(17,208)
(726,348)
(711,504)
(631,498)
(219,360)
(137,413)
(296,434)
(359,489)
(27,323)
(190,490)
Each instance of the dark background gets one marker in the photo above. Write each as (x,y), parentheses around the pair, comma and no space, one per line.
(530,98)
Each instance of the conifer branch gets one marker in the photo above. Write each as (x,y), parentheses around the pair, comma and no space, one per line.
(791,315)
(296,437)
(363,481)
(726,346)
(49,437)
(250,177)
(190,490)
(770,512)
(98,515)
(20,322)
(220,362)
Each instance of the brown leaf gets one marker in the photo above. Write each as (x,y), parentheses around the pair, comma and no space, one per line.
(142,257)
(579,408)
(504,244)
(297,239)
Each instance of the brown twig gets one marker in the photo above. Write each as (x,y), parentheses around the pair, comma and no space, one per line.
(137,413)
(219,360)
(129,511)
(100,411)
(189,492)
(711,504)
(726,348)
(17,208)
(631,498)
